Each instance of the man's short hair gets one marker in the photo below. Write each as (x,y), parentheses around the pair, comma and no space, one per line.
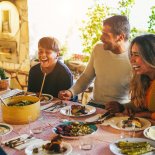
(119,24)
(49,43)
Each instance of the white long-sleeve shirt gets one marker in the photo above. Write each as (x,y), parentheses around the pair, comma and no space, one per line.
(111,74)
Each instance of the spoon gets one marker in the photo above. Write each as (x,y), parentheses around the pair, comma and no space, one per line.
(42,85)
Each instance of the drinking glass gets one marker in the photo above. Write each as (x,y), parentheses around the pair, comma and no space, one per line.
(133,127)
(86,142)
(121,125)
(35,127)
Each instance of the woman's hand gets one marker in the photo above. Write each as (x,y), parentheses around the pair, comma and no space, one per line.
(114,107)
(143,114)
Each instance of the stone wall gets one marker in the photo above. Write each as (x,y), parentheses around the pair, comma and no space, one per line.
(18,71)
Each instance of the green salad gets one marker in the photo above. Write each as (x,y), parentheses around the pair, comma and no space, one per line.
(20,103)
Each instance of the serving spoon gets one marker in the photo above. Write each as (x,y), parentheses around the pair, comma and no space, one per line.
(42,85)
(3,101)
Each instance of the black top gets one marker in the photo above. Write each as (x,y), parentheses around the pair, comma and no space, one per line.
(60,78)
(2,152)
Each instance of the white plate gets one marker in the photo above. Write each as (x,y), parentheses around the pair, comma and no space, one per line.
(91,126)
(29,149)
(114,149)
(5,129)
(115,123)
(47,98)
(89,109)
(148,134)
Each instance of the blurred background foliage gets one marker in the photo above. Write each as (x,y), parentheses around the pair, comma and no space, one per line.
(92,27)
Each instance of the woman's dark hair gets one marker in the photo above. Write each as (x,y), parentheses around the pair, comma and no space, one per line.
(146,44)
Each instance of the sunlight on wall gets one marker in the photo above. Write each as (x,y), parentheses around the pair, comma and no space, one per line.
(62,19)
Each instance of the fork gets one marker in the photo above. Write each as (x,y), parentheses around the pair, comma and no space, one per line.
(20,142)
(58,106)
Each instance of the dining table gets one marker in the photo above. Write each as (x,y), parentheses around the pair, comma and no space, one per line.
(101,139)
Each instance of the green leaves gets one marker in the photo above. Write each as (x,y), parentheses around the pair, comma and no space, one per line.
(2,74)
(151,22)
(92,28)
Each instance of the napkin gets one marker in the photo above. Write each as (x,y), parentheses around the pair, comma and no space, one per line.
(31,141)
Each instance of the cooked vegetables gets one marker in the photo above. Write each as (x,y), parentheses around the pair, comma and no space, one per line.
(21,103)
(74,129)
(134,148)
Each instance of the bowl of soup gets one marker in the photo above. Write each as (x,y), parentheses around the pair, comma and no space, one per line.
(19,109)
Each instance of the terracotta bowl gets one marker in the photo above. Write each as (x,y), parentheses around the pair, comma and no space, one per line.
(21,114)
(4,84)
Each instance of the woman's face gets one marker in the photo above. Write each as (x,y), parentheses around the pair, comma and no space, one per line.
(47,57)
(137,62)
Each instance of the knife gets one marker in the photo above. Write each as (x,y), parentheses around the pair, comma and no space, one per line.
(58,106)
(20,142)
(100,121)
(54,105)
(13,141)
(105,114)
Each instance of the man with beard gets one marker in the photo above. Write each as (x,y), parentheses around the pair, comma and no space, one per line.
(57,74)
(108,67)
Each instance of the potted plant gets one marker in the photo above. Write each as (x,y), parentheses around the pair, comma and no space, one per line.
(4,80)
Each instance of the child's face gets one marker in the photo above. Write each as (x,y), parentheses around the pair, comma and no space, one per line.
(47,57)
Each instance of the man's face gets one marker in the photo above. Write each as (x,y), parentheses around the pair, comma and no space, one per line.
(46,57)
(108,38)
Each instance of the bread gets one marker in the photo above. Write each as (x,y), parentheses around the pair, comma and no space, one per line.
(132,121)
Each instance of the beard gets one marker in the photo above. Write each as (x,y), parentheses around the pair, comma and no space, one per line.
(108,46)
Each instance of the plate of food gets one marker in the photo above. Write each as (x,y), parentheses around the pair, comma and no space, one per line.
(78,110)
(129,124)
(5,129)
(44,99)
(72,130)
(132,146)
(54,147)
(150,132)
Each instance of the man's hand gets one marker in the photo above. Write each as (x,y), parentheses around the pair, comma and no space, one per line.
(65,95)
(114,107)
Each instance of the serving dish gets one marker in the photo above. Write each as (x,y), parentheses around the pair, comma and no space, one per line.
(29,149)
(88,111)
(44,99)
(150,132)
(117,151)
(115,122)
(73,130)
(16,114)
(5,129)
